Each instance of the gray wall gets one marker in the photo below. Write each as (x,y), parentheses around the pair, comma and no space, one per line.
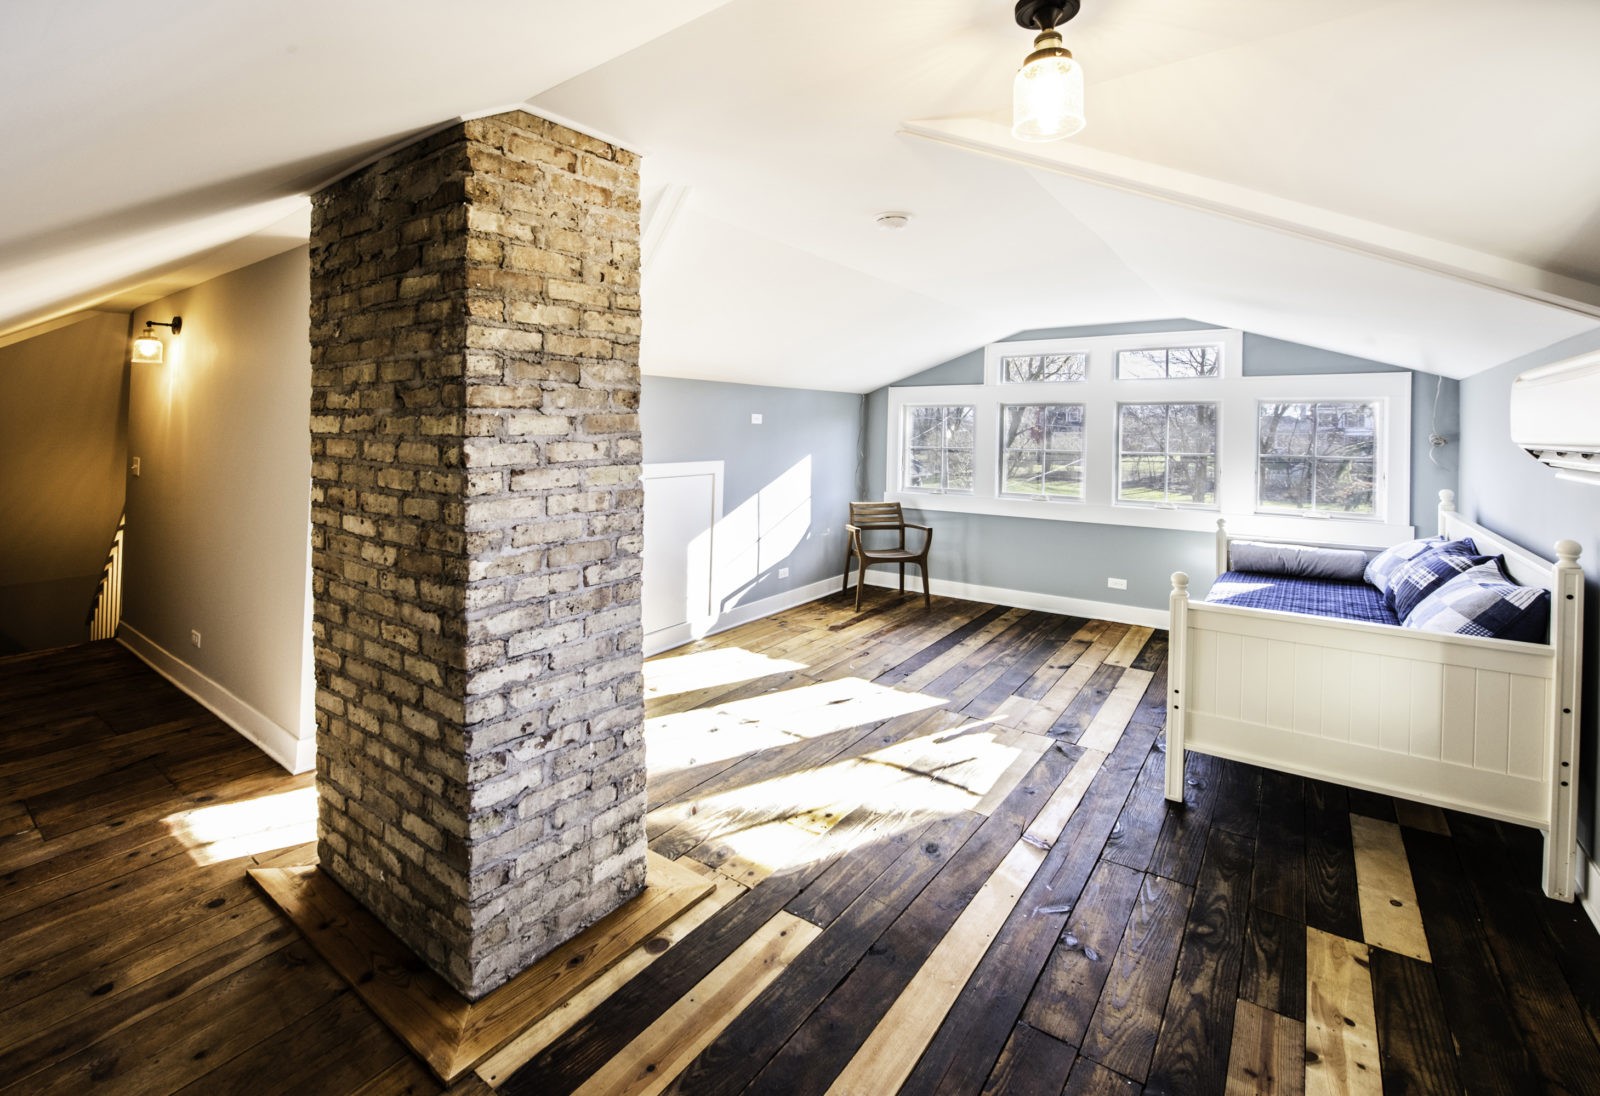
(219,520)
(1506,490)
(686,420)
(63,427)
(1073,559)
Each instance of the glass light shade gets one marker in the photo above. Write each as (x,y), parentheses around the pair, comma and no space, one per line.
(1047,99)
(147,350)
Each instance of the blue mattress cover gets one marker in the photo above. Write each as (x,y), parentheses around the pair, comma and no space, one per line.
(1314,596)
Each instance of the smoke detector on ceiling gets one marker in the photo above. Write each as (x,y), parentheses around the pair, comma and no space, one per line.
(893,221)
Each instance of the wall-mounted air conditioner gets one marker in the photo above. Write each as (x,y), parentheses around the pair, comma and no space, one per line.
(1555,416)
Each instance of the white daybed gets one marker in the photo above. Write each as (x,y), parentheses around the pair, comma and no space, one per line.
(1487,726)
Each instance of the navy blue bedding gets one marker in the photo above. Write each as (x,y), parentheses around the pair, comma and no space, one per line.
(1315,596)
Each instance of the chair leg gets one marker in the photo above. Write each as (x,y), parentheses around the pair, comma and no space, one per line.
(927,600)
(861,579)
(849,553)
(902,578)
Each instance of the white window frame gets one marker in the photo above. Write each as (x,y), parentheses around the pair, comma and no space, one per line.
(1101,392)
(1083,454)
(905,453)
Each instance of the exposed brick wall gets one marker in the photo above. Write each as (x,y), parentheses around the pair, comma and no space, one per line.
(476,537)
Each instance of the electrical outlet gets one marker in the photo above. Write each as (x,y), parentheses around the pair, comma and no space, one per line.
(194,637)
(783,572)
(135,468)
(1117,583)
(755,419)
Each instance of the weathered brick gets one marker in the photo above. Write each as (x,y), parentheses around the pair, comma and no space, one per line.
(475,515)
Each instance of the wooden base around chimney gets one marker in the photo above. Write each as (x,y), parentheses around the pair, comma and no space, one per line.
(447,1031)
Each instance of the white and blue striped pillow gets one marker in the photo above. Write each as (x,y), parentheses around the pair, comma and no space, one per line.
(1480,602)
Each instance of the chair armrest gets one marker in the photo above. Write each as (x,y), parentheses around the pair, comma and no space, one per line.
(914,525)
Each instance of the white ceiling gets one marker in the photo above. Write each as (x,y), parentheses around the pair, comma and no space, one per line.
(1415,181)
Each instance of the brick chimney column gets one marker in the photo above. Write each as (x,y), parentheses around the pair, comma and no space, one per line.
(476,530)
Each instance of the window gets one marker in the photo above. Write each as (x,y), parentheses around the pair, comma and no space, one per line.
(1043,368)
(939,449)
(1167,453)
(1158,431)
(1169,362)
(1318,458)
(1042,450)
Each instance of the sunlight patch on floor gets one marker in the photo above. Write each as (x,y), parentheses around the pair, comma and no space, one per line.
(791,820)
(708,669)
(229,831)
(727,731)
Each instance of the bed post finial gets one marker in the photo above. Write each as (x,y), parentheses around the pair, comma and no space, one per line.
(1568,551)
(1180,582)
(1222,545)
(1447,507)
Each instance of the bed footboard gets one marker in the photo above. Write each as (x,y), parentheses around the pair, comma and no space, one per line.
(1469,724)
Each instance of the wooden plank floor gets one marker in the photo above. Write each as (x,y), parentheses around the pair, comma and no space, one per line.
(943,864)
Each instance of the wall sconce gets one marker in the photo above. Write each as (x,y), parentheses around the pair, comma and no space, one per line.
(147,347)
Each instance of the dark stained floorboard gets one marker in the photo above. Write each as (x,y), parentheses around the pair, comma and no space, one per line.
(132,961)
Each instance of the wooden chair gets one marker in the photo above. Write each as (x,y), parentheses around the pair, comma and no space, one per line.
(871,517)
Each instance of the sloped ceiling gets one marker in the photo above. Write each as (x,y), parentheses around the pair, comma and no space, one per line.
(1416,181)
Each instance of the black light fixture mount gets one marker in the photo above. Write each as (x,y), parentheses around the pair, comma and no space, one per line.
(1043,15)
(176,323)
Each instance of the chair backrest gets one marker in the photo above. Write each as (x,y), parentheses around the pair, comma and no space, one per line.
(869,514)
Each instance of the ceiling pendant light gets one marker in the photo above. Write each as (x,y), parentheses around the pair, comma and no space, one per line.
(1047,95)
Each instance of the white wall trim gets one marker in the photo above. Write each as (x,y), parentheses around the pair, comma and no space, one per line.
(1027,599)
(668,638)
(1589,886)
(296,754)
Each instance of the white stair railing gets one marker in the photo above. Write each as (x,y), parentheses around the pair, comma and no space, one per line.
(107,611)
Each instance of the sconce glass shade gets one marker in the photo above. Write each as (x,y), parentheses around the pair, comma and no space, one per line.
(147,350)
(1047,95)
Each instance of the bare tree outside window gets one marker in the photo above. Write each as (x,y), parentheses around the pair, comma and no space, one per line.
(939,449)
(1044,368)
(1169,362)
(1167,453)
(1317,457)
(1042,450)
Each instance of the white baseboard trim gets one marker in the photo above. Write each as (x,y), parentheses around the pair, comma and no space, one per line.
(296,754)
(1027,599)
(668,638)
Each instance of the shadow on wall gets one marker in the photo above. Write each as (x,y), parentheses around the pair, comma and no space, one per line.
(63,447)
(722,560)
(759,535)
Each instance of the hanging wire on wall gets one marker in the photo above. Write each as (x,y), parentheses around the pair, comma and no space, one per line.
(1436,440)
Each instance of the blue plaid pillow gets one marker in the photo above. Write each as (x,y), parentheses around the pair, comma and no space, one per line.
(1480,602)
(1385,563)
(1417,578)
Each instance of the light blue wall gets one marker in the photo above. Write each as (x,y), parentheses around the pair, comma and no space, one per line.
(684,420)
(1073,559)
(1504,489)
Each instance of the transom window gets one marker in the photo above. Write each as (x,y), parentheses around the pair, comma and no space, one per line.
(1167,453)
(939,453)
(1169,362)
(1317,457)
(1042,450)
(1043,368)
